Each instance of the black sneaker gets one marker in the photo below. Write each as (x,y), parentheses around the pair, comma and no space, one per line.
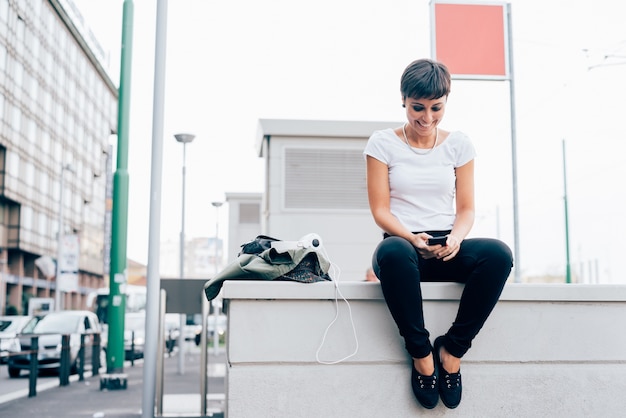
(425,388)
(450,387)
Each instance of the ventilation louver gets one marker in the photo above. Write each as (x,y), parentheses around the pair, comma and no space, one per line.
(325,179)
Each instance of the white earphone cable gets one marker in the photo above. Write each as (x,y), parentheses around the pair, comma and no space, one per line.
(335,273)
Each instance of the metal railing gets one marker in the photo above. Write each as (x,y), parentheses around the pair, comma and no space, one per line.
(65,360)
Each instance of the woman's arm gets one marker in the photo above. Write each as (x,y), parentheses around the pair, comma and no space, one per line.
(379,199)
(464,211)
(464,201)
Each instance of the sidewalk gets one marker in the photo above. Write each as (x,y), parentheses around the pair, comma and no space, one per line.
(85,399)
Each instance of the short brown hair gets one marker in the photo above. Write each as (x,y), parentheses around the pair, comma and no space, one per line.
(425,79)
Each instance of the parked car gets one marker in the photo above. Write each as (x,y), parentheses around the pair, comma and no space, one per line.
(50,329)
(134,331)
(10,327)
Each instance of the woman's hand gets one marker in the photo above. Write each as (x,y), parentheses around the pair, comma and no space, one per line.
(420,241)
(445,252)
(450,249)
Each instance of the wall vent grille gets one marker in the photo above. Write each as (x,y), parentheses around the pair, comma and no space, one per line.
(331,178)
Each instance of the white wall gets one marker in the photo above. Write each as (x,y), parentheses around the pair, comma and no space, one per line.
(546,351)
(240,233)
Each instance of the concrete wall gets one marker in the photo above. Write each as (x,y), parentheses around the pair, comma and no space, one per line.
(546,351)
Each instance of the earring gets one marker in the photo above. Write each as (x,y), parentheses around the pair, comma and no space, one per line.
(403,105)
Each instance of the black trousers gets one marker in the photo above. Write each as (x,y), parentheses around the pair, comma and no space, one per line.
(482,264)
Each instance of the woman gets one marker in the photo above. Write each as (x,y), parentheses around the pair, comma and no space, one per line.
(420,183)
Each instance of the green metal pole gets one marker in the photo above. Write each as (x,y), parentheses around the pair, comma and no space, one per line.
(568,269)
(119,221)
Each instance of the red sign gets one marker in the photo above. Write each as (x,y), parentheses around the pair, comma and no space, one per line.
(471,39)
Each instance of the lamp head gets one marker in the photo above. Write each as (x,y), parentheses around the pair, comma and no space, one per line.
(184,138)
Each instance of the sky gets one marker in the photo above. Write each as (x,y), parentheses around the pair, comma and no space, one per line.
(232,63)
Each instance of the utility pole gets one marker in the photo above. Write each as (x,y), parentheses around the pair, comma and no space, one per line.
(568,269)
(119,220)
(58,294)
(216,307)
(153,277)
(183,139)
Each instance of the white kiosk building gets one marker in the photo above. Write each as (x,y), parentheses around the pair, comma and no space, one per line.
(315,182)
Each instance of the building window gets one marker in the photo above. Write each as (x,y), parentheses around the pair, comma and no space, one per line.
(19,80)
(34,88)
(17,119)
(30,174)
(14,162)
(21,28)
(45,141)
(44,183)
(27,217)
(35,49)
(3,56)
(31,130)
(4,10)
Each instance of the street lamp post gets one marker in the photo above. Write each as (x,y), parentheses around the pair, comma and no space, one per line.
(58,292)
(183,139)
(216,337)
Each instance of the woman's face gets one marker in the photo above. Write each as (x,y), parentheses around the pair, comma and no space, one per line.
(424,115)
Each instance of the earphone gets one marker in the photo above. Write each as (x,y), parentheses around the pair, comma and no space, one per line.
(311,240)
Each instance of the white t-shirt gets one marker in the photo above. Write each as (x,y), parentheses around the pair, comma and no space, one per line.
(422,187)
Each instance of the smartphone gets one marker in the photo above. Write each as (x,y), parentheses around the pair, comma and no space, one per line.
(437,240)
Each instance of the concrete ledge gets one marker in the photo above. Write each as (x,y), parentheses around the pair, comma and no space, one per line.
(547,350)
(251,289)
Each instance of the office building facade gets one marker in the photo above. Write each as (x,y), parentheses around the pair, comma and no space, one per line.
(58,107)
